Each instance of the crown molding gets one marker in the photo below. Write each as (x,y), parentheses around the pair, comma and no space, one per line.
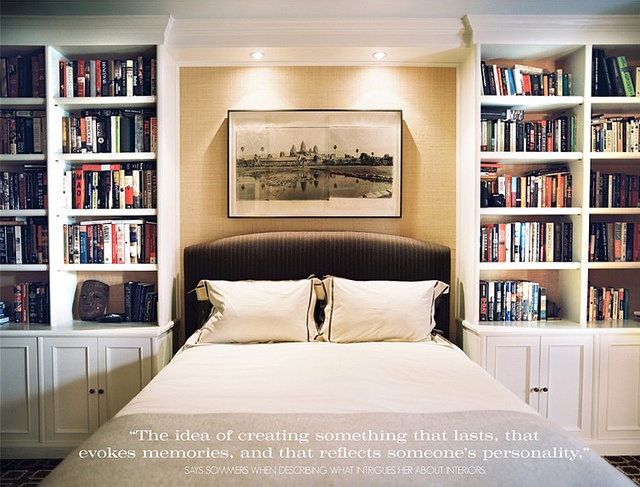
(553,29)
(80,30)
(193,33)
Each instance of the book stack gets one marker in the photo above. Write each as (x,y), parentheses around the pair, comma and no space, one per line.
(23,131)
(526,242)
(608,304)
(107,77)
(612,76)
(500,134)
(614,190)
(25,190)
(550,187)
(140,302)
(31,302)
(110,242)
(110,131)
(512,301)
(24,241)
(23,75)
(524,80)
(130,185)
(614,242)
(615,134)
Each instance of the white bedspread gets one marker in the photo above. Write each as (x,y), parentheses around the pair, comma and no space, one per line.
(323,378)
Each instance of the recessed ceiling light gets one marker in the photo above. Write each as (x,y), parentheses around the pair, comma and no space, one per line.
(257,55)
(379,54)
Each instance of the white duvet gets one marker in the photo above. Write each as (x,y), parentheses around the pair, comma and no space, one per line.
(320,377)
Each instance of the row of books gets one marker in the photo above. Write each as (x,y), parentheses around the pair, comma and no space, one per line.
(553,135)
(111,186)
(23,132)
(140,302)
(607,304)
(110,131)
(550,187)
(614,242)
(31,302)
(526,242)
(524,80)
(615,134)
(614,190)
(110,242)
(512,301)
(611,75)
(108,77)
(23,75)
(24,241)
(25,190)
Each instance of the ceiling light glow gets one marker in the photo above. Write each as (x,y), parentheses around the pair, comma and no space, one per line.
(379,54)
(256,55)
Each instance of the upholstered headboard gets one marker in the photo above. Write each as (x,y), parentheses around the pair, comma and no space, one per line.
(297,255)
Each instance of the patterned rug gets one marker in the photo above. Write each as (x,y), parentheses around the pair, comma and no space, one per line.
(29,472)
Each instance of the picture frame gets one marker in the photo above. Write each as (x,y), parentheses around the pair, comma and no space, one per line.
(314,163)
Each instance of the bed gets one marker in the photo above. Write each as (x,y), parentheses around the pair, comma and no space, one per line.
(321,358)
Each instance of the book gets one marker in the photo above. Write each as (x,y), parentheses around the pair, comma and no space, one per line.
(625,76)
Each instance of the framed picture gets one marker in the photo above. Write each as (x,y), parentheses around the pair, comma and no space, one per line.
(315,163)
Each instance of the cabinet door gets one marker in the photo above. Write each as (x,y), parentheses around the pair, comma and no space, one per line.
(19,389)
(125,368)
(566,371)
(619,397)
(70,388)
(514,361)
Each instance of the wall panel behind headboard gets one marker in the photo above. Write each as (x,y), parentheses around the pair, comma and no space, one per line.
(426,96)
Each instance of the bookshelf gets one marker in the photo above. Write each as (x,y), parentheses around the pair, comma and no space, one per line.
(41,356)
(572,358)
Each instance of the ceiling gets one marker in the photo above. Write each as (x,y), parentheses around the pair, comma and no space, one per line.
(317,9)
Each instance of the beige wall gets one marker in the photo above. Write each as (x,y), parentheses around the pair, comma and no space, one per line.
(426,96)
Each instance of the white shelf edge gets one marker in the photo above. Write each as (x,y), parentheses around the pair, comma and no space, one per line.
(631,156)
(22,158)
(106,156)
(109,267)
(24,267)
(23,213)
(613,265)
(106,102)
(614,211)
(529,157)
(22,102)
(535,103)
(517,211)
(110,213)
(520,266)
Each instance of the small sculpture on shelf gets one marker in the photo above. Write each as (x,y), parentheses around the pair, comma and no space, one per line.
(92,302)
(553,311)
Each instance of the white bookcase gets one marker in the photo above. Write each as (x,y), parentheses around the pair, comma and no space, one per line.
(50,371)
(569,361)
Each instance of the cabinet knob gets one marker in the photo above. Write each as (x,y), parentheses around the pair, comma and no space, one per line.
(536,389)
(92,391)
(100,391)
(545,389)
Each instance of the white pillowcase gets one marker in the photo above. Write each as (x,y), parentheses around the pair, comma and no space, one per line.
(258,311)
(372,311)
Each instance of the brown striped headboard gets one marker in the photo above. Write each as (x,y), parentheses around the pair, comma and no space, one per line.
(297,255)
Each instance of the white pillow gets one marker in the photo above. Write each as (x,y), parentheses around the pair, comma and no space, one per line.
(259,311)
(373,311)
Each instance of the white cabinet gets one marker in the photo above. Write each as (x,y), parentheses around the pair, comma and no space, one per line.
(19,390)
(586,380)
(88,380)
(59,384)
(619,398)
(553,374)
